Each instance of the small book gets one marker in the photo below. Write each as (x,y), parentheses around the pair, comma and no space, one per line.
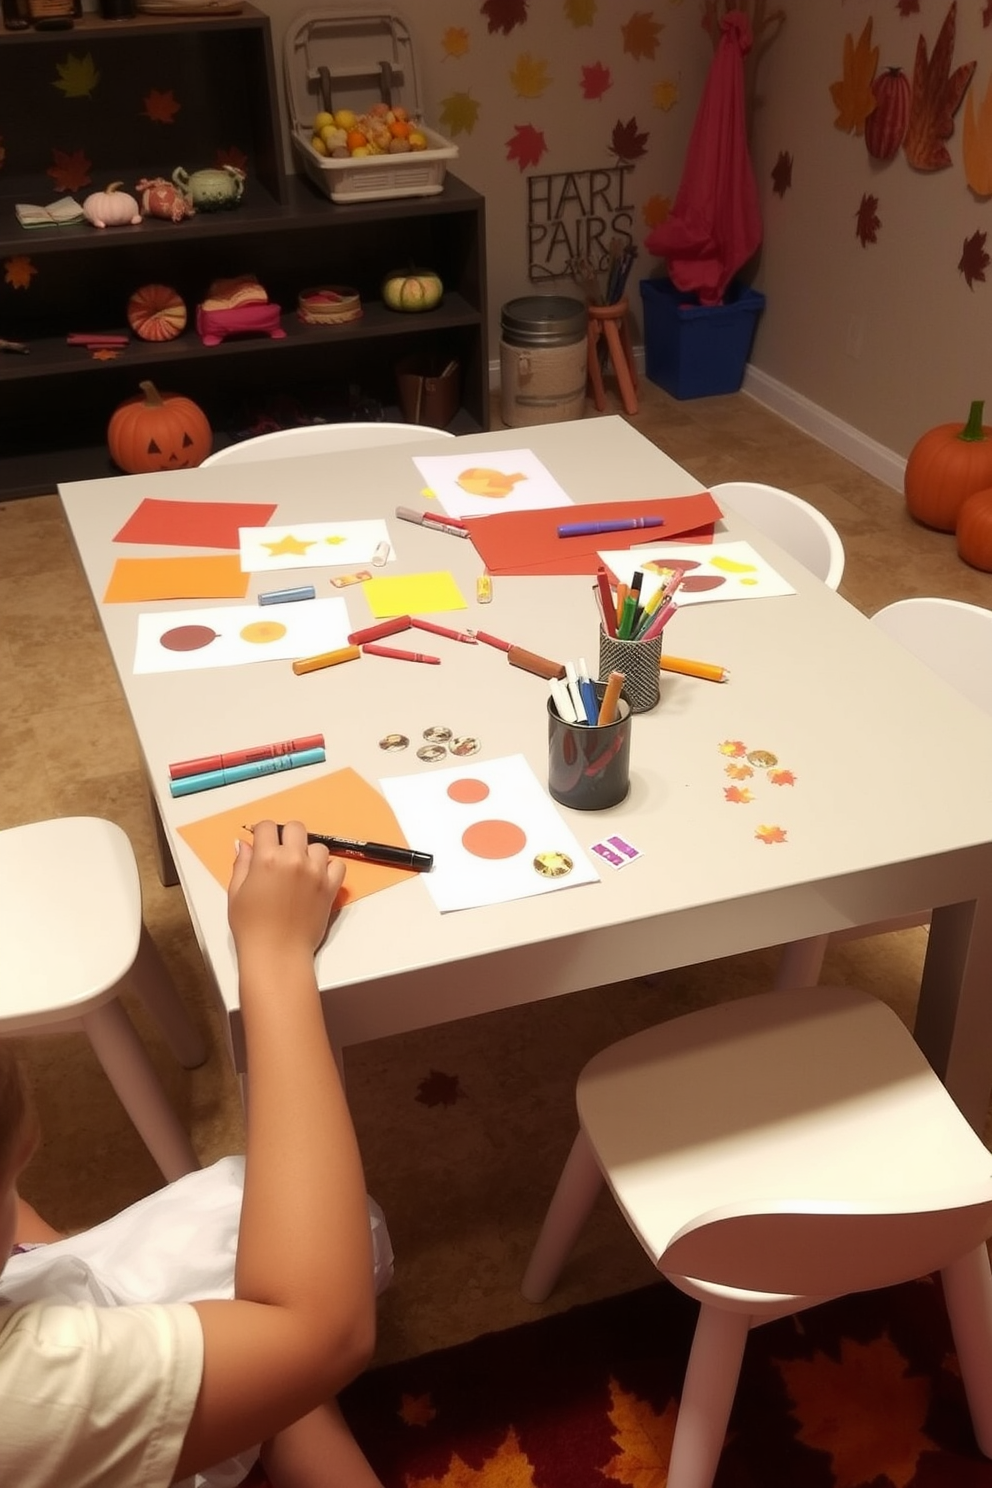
(66,212)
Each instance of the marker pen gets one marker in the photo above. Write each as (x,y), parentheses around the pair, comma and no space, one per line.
(190,784)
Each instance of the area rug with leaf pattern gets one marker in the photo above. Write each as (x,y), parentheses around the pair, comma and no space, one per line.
(860,1393)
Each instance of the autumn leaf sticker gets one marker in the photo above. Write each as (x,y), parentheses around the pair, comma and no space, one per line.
(526,146)
(734,747)
(626,143)
(935,99)
(782,173)
(737,795)
(738,772)
(640,35)
(70,172)
(596,79)
(77,76)
(974,260)
(852,95)
(18,272)
(769,835)
(781,777)
(868,221)
(459,113)
(161,108)
(503,15)
(530,76)
(455,42)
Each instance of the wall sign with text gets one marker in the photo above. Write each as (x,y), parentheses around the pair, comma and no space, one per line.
(573,215)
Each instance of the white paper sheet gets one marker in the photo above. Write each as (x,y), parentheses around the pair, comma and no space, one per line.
(235,635)
(464,814)
(485,483)
(717,571)
(312,545)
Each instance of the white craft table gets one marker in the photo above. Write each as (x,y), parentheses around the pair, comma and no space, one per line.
(890,813)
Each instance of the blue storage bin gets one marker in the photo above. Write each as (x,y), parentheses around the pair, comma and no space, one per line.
(693,350)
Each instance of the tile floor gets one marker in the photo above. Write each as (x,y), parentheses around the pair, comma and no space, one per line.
(463,1184)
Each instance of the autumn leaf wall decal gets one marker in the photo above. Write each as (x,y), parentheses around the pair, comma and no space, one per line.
(908,7)
(503,15)
(530,76)
(974,260)
(626,143)
(161,108)
(70,171)
(459,113)
(976,142)
(583,12)
(19,271)
(782,173)
(640,35)
(665,95)
(526,146)
(852,95)
(936,98)
(656,209)
(77,76)
(231,155)
(455,42)
(867,220)
(596,79)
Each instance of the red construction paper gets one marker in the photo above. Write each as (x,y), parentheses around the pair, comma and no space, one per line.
(193,524)
(527,542)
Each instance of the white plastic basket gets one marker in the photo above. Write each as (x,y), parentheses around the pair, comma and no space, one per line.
(336,61)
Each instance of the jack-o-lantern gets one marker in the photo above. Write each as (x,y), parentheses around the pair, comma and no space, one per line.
(158,431)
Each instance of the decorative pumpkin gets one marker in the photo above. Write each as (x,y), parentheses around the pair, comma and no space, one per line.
(974,530)
(412,290)
(111,208)
(156,313)
(945,465)
(886,125)
(159,198)
(158,431)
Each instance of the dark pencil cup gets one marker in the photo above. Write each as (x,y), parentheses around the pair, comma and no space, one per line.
(639,661)
(588,764)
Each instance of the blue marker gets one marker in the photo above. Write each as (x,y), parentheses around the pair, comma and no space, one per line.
(287,596)
(188,785)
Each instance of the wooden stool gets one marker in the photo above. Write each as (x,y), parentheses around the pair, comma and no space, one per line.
(610,321)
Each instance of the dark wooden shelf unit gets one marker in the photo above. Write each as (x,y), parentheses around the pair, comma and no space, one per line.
(55,402)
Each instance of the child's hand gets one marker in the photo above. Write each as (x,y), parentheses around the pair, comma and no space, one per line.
(281,893)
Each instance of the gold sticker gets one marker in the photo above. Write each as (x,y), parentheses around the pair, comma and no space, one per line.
(438,733)
(465,746)
(431,753)
(762,758)
(553,864)
(394,742)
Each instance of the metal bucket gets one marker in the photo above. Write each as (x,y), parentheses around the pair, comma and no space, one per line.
(542,358)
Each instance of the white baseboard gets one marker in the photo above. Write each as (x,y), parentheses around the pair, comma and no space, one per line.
(884,464)
(842,438)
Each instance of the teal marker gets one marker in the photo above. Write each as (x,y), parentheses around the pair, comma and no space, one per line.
(188,785)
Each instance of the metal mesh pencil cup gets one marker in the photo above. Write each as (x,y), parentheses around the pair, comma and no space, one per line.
(639,661)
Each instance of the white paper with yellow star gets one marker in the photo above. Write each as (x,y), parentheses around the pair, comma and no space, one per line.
(234,635)
(313,545)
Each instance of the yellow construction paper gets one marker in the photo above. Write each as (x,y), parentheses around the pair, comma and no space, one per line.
(413,594)
(213,577)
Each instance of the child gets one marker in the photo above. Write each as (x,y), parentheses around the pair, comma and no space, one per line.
(152,1393)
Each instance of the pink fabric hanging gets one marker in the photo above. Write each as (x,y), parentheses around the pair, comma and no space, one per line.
(714,226)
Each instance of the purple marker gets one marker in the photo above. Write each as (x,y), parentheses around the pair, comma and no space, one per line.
(622,524)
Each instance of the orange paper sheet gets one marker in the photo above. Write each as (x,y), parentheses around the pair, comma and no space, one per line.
(139,579)
(527,542)
(340,805)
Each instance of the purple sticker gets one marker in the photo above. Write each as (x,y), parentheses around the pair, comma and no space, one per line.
(607,853)
(624,847)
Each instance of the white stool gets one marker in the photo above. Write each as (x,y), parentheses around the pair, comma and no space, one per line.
(71,936)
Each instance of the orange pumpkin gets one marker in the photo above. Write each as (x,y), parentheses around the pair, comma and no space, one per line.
(974,530)
(156,313)
(945,465)
(158,431)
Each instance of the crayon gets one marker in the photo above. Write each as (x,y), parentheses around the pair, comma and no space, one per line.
(247,756)
(327,659)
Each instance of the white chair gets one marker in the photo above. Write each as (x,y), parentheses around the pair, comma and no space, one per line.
(954,640)
(321,439)
(769,1154)
(790,521)
(71,937)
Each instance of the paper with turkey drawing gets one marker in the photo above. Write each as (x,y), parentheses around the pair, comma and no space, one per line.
(484,483)
(313,545)
(494,832)
(234,635)
(730,570)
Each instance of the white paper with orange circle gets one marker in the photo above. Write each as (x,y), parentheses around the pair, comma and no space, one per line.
(486,823)
(234,635)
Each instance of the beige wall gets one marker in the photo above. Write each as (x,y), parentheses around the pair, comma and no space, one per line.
(886,338)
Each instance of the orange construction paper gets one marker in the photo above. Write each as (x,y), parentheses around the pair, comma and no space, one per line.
(340,805)
(177,578)
(527,542)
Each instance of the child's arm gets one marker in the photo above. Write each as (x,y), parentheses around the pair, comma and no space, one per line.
(304,1320)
